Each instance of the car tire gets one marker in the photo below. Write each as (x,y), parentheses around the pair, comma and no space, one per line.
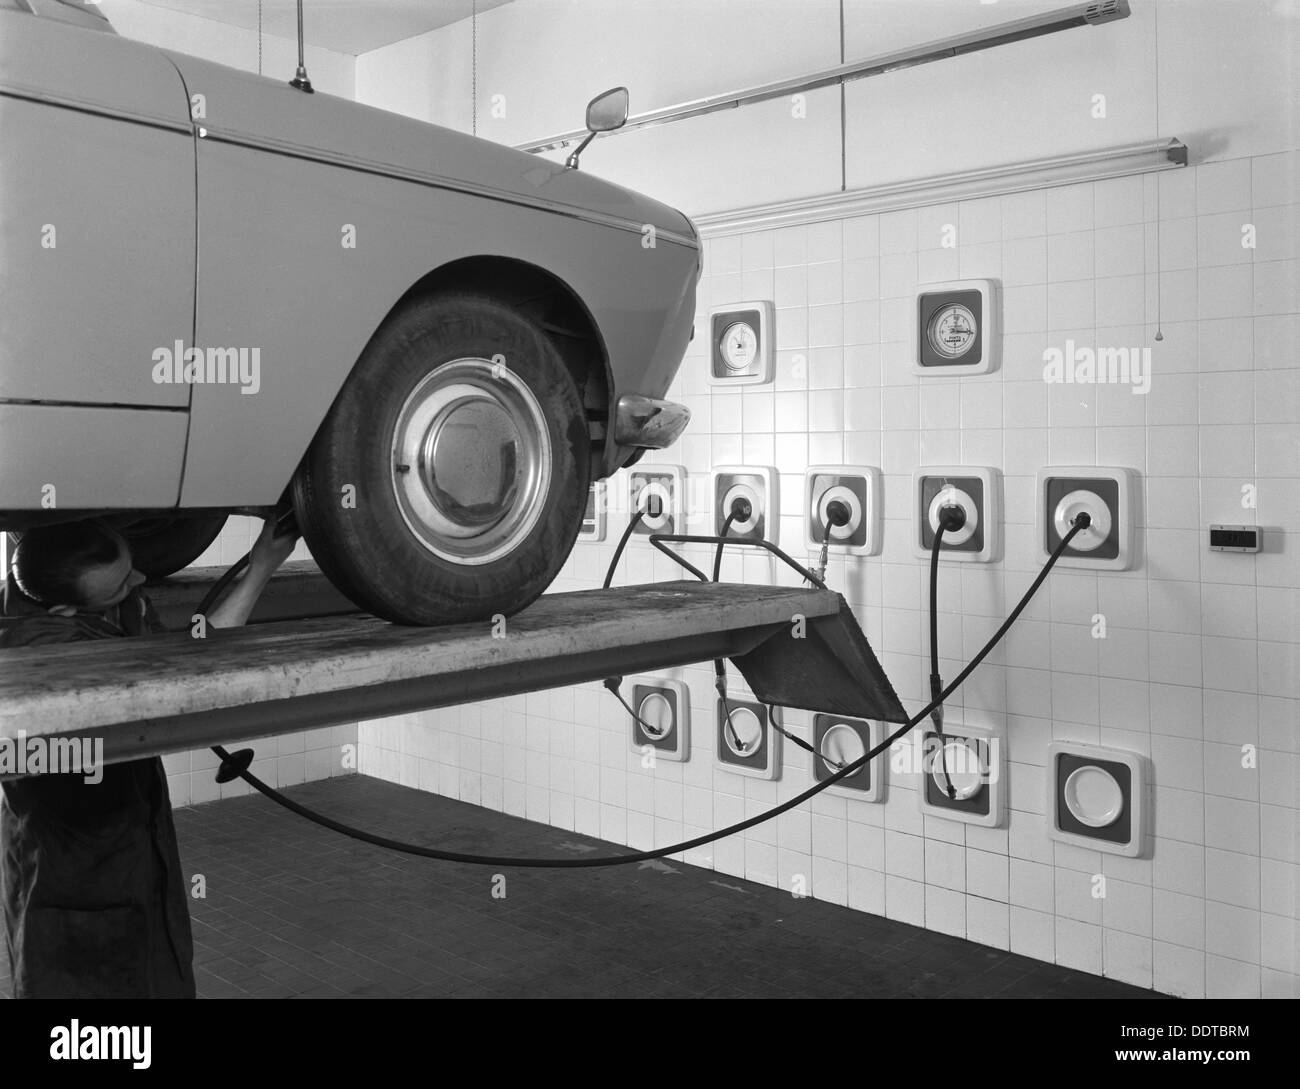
(163,546)
(449,479)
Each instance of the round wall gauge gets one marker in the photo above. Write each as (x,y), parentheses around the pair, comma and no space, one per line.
(952,330)
(739,346)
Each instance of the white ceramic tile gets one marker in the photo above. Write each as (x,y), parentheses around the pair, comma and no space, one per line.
(1128,958)
(1178,971)
(1078,945)
(1223,186)
(1274,179)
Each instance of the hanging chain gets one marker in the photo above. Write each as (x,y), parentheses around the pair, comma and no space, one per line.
(473,24)
(259,37)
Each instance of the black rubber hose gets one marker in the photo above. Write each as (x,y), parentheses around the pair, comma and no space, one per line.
(936,683)
(633,522)
(219,587)
(950,517)
(719,666)
(727,523)
(1080,523)
(283,524)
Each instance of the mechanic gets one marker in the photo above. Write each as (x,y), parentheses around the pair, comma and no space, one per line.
(95,902)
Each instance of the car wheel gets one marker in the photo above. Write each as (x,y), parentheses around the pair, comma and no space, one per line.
(164,545)
(449,480)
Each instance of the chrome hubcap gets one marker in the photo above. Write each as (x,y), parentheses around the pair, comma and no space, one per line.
(471,464)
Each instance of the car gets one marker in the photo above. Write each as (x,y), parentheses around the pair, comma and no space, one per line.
(220,293)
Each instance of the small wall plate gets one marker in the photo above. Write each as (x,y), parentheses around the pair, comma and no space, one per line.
(665,706)
(844,740)
(756,749)
(956,328)
(741,344)
(1108,493)
(980,540)
(1097,798)
(664,488)
(976,767)
(595,518)
(858,486)
(760,485)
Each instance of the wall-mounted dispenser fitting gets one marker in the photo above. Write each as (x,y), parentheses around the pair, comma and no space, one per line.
(839,742)
(746,744)
(660,491)
(962,779)
(662,716)
(858,487)
(978,492)
(1097,798)
(1108,495)
(756,485)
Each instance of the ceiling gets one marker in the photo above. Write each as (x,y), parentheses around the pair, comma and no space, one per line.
(345,26)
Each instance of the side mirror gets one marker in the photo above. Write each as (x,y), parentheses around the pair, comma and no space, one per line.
(605,113)
(608,111)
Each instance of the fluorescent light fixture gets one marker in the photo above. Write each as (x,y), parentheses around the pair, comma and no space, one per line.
(1091,14)
(1115,162)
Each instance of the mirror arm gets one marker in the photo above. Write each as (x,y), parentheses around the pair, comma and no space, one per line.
(571,163)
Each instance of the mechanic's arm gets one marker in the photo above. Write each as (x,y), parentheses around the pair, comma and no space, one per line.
(265,558)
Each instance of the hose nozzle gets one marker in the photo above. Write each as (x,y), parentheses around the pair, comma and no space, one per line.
(838,513)
(952,517)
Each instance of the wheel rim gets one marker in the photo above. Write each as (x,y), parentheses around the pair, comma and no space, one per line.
(471,461)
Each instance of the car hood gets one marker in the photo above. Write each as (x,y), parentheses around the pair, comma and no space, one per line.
(244,108)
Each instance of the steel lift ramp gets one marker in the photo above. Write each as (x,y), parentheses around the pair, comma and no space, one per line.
(152,695)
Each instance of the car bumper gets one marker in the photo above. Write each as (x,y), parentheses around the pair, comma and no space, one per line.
(647,422)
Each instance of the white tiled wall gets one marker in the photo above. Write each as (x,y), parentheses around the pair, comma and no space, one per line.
(1202,650)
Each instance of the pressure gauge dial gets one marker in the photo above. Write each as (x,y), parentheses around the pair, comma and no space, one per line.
(952,331)
(956,328)
(739,346)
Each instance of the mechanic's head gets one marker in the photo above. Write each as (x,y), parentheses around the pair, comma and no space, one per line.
(75,565)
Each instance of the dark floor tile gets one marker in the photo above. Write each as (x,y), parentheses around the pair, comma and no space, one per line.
(294,910)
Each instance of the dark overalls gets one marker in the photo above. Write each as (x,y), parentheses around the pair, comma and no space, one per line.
(95,902)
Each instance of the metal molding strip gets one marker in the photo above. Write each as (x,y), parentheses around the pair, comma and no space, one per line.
(434,181)
(70,102)
(1116,162)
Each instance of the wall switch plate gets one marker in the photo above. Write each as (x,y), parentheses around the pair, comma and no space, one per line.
(974,764)
(976,489)
(1097,798)
(663,708)
(662,490)
(755,750)
(840,741)
(859,488)
(594,518)
(742,344)
(956,328)
(1108,494)
(758,484)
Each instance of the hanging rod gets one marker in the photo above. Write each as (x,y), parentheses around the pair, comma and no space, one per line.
(1016,30)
